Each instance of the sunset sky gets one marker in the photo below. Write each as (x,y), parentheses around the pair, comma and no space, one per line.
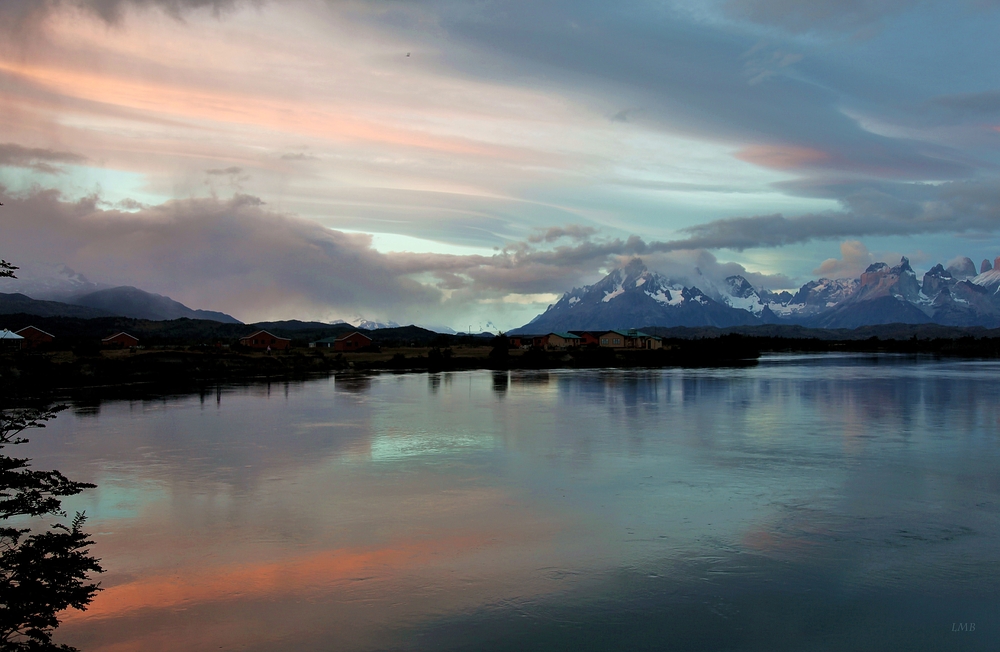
(455,163)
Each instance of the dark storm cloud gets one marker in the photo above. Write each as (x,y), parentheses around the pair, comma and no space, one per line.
(41,160)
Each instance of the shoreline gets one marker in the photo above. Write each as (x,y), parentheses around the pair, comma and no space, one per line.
(31,374)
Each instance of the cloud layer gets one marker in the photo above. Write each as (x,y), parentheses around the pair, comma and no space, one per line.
(239,256)
(526,146)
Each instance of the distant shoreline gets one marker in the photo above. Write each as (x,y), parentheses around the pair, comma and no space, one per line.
(25,374)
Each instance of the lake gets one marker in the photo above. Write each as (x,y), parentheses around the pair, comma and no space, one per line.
(805,503)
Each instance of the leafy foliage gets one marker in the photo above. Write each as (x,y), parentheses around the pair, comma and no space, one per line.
(7,270)
(41,572)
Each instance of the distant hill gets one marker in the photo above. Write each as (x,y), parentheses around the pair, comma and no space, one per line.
(70,331)
(128,301)
(11,304)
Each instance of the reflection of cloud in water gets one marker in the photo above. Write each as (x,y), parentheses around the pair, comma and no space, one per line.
(704,508)
(386,447)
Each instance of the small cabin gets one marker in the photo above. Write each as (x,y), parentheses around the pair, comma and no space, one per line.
(540,341)
(120,341)
(613,340)
(353,342)
(587,338)
(35,337)
(10,340)
(264,341)
(564,341)
(630,339)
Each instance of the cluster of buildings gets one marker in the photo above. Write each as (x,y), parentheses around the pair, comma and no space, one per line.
(627,339)
(32,337)
(264,341)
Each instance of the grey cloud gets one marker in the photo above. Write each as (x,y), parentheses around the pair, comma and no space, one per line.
(816,15)
(20,14)
(885,209)
(236,255)
(692,78)
(981,103)
(218,172)
(299,156)
(572,231)
(41,160)
(624,115)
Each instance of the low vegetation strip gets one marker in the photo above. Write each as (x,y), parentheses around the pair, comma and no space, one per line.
(183,368)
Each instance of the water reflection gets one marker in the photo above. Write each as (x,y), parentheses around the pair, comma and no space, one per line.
(501,379)
(806,503)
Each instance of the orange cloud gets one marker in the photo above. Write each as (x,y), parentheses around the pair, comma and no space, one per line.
(190,103)
(296,576)
(782,157)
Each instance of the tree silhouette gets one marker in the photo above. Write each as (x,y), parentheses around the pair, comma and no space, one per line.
(6,269)
(42,571)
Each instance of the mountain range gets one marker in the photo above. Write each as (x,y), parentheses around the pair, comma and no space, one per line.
(633,296)
(124,301)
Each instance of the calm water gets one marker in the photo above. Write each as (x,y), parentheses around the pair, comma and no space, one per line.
(809,503)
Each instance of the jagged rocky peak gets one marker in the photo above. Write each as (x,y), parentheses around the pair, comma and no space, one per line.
(990,278)
(740,287)
(824,292)
(881,280)
(961,268)
(985,266)
(936,280)
(903,267)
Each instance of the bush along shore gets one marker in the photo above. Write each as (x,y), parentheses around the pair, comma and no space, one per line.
(32,373)
(179,368)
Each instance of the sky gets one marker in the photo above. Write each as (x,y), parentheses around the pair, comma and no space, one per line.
(465,163)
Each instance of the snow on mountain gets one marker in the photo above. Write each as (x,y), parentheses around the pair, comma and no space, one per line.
(49,282)
(367,324)
(634,296)
(631,297)
(990,279)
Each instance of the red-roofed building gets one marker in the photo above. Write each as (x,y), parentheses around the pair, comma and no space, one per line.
(353,342)
(120,341)
(35,337)
(263,341)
